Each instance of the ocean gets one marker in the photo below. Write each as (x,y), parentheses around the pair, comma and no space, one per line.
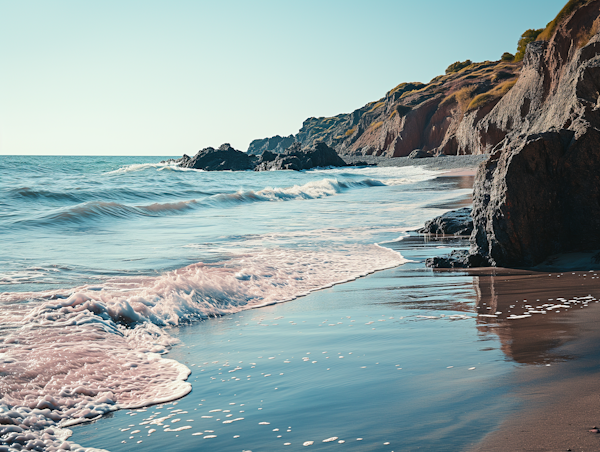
(128,284)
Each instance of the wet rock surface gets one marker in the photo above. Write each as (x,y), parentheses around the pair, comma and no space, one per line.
(226,158)
(455,222)
(456,259)
(419,154)
(295,158)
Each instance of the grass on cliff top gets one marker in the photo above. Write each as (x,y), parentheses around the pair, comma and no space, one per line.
(376,106)
(495,94)
(405,88)
(463,97)
(568,9)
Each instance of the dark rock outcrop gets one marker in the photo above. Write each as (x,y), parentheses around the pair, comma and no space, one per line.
(276,144)
(539,192)
(227,158)
(222,159)
(295,158)
(539,199)
(419,154)
(455,222)
(457,259)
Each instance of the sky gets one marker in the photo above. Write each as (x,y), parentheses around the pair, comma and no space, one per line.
(164,78)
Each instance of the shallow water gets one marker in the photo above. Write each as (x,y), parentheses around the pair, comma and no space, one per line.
(395,359)
(104,257)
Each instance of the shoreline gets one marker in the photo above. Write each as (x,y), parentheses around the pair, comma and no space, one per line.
(448,162)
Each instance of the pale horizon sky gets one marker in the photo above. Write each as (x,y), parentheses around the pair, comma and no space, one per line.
(162,78)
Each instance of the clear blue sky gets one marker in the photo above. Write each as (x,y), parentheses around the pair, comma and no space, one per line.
(170,77)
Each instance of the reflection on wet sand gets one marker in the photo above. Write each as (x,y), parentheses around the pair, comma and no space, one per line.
(540,301)
(456,182)
(534,339)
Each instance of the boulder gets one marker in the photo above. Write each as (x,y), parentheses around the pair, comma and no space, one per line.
(539,199)
(224,158)
(455,222)
(295,158)
(419,154)
(456,259)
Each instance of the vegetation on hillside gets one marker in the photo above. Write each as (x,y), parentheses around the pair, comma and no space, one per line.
(507,56)
(527,37)
(567,10)
(492,95)
(457,66)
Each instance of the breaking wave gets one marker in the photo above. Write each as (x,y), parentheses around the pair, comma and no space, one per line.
(71,356)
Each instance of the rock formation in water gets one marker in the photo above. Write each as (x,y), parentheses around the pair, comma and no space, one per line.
(295,158)
(222,159)
(226,158)
(539,192)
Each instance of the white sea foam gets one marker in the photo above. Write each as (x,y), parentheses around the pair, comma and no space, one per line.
(72,357)
(137,167)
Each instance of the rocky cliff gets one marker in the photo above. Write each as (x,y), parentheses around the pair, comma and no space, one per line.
(539,193)
(433,117)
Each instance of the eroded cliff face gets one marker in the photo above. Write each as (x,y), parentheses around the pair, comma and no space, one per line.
(411,116)
(539,193)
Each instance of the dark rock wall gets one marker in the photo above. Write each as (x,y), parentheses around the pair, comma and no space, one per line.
(539,193)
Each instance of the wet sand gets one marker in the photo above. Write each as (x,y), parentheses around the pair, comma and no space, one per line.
(557,380)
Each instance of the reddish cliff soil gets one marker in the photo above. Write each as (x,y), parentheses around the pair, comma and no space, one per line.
(411,116)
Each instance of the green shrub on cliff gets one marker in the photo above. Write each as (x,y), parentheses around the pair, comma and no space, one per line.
(527,37)
(507,56)
(457,66)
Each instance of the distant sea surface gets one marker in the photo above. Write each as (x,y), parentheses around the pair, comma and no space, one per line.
(103,256)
